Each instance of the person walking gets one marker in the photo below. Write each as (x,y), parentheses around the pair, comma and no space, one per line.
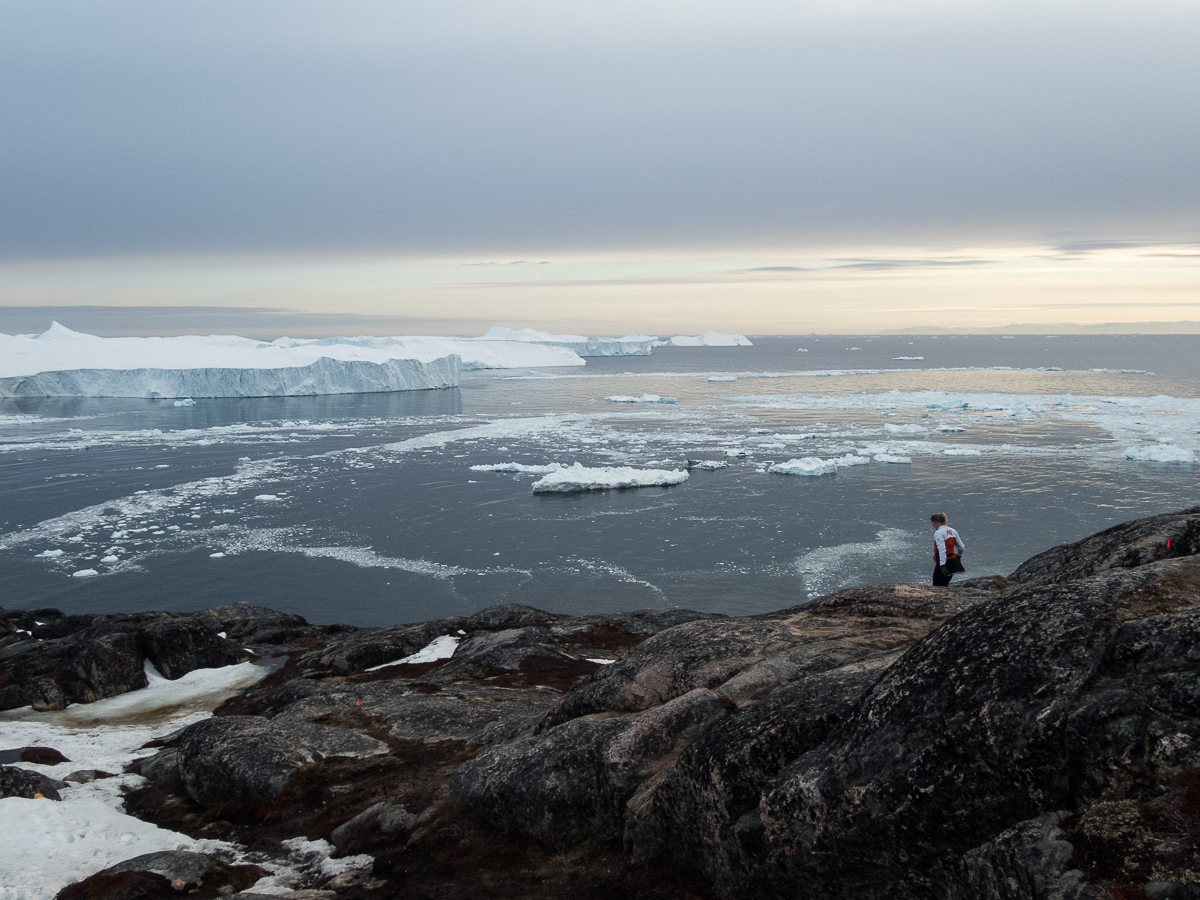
(948,547)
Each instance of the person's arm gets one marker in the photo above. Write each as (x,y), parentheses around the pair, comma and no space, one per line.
(959,543)
(939,540)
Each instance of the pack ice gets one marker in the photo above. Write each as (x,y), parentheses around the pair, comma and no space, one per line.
(65,363)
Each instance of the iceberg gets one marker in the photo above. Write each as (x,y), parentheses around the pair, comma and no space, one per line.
(581,478)
(809,465)
(904,429)
(64,363)
(630,345)
(708,339)
(645,398)
(1161,453)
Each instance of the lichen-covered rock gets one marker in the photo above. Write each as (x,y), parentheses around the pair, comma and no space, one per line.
(15,782)
(507,616)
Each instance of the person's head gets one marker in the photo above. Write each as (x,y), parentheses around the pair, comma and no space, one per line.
(938,520)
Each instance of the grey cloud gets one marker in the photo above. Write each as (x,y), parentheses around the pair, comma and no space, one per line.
(486,129)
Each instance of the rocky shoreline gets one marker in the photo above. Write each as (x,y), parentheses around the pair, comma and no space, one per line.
(1030,736)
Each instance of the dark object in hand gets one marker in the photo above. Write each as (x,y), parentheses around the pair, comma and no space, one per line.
(942,570)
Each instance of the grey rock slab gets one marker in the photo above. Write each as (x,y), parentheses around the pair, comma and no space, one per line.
(571,784)
(685,813)
(362,650)
(252,758)
(1124,546)
(183,868)
(383,818)
(507,616)
(698,654)
(970,732)
(177,646)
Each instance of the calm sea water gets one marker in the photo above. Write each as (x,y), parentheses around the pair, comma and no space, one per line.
(378,518)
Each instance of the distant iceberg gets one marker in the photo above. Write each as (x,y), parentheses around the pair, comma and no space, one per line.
(581,478)
(645,398)
(65,363)
(630,345)
(708,339)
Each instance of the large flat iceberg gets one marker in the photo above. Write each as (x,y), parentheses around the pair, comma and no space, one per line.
(630,345)
(709,339)
(581,478)
(64,363)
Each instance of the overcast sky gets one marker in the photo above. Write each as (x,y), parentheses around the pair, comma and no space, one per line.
(194,153)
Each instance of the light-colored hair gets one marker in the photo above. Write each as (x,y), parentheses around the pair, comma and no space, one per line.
(940,518)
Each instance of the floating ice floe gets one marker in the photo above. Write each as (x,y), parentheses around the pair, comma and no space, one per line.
(581,478)
(517,468)
(49,554)
(84,573)
(801,349)
(645,398)
(809,465)
(187,401)
(267,497)
(1161,453)
(891,458)
(722,378)
(904,429)
(708,339)
(907,357)
(707,464)
(962,451)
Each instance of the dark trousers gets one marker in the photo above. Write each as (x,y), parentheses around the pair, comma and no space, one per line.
(953,567)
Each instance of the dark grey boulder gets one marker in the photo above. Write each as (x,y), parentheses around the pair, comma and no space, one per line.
(571,784)
(358,651)
(699,654)
(252,758)
(252,624)
(162,770)
(685,813)
(383,819)
(177,646)
(1124,546)
(87,776)
(183,868)
(1005,712)
(508,615)
(15,782)
(491,653)
(1031,859)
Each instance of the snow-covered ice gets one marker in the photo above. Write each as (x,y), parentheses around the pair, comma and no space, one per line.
(962,451)
(892,458)
(904,429)
(582,478)
(85,573)
(715,378)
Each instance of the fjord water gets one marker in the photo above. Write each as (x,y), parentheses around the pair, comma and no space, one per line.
(371,514)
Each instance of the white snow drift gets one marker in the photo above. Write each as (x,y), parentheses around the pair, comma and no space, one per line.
(581,478)
(708,339)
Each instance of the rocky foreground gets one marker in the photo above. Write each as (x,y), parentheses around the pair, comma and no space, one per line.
(1030,737)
